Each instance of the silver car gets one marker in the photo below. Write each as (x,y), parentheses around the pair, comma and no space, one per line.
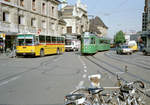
(123,49)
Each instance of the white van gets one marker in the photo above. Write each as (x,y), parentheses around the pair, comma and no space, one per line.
(72,44)
(133,45)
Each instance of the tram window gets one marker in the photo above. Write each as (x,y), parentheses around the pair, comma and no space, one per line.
(92,41)
(53,39)
(42,39)
(48,40)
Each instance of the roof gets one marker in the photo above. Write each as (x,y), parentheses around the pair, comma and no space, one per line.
(99,22)
(94,23)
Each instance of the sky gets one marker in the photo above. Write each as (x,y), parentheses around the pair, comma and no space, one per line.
(117,15)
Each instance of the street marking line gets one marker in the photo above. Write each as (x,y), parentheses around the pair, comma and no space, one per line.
(85,67)
(84,76)
(55,60)
(10,80)
(80,84)
(85,70)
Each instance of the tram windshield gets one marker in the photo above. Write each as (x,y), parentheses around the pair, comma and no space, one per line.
(86,41)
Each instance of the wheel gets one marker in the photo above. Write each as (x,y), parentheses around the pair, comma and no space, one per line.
(144,52)
(42,53)
(74,49)
(130,53)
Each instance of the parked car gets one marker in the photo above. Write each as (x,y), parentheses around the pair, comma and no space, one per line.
(146,51)
(123,49)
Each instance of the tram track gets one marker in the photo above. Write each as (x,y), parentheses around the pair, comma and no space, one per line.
(114,74)
(131,63)
(102,67)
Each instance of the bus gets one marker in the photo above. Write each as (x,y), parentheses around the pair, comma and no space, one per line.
(39,45)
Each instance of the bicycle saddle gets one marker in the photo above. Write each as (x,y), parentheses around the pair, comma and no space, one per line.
(74,97)
(95,90)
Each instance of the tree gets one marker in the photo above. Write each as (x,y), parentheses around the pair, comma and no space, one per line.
(119,38)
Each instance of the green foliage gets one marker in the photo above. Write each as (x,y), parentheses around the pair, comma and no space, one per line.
(119,38)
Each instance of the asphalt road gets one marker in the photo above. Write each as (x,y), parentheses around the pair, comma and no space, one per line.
(46,80)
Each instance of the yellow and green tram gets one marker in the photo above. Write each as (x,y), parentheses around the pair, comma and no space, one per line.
(91,43)
(39,45)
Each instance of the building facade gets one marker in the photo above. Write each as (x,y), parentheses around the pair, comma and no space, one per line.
(28,16)
(75,17)
(146,16)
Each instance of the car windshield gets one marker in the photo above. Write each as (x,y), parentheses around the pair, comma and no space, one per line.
(68,42)
(125,46)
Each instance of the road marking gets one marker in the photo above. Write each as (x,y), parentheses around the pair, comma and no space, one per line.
(10,80)
(85,67)
(85,70)
(84,64)
(84,76)
(80,84)
(55,60)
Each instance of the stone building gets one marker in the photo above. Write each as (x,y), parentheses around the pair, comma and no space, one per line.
(97,26)
(146,16)
(28,16)
(75,17)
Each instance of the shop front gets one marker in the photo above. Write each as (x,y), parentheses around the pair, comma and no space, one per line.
(7,41)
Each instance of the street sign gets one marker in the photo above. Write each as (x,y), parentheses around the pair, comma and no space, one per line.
(39,31)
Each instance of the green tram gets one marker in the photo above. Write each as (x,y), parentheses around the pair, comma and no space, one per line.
(103,45)
(91,43)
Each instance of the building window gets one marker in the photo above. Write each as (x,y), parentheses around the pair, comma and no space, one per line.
(6,16)
(53,26)
(69,29)
(21,20)
(52,11)
(33,22)
(43,24)
(33,5)
(21,3)
(43,8)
